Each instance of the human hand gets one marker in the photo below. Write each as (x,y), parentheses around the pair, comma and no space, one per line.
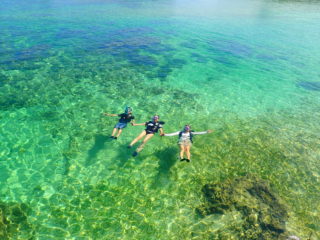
(161,134)
(209,131)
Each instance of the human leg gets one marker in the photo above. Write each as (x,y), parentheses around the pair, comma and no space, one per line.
(181,151)
(145,140)
(142,134)
(114,132)
(119,132)
(187,148)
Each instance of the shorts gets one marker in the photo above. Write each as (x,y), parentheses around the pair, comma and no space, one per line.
(185,143)
(120,125)
(149,132)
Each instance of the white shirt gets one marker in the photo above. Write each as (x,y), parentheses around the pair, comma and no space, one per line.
(185,135)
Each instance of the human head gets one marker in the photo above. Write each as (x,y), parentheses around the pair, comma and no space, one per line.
(155,118)
(187,128)
(128,110)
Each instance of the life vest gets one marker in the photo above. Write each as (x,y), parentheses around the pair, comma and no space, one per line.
(190,135)
(153,126)
(125,118)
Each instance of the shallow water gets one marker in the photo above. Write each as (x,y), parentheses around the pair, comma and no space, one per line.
(247,69)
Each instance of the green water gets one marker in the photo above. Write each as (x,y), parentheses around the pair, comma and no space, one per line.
(249,70)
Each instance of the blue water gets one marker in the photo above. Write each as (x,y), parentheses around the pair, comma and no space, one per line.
(248,69)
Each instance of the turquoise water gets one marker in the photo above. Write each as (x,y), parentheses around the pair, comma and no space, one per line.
(247,69)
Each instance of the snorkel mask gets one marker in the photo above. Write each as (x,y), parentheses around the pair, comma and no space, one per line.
(155,118)
(187,128)
(128,110)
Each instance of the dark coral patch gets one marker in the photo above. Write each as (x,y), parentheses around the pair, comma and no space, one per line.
(143,60)
(229,47)
(131,41)
(14,221)
(69,33)
(199,58)
(11,102)
(25,59)
(125,32)
(263,215)
(163,72)
(311,86)
(34,52)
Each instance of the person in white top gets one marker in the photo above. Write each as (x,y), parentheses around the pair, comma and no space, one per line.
(185,140)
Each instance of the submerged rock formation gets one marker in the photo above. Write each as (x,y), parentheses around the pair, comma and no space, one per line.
(263,215)
(13,220)
(311,86)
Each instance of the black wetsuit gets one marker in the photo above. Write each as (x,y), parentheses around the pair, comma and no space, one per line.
(152,127)
(125,118)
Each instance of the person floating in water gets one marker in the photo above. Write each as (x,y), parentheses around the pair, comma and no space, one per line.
(152,127)
(125,118)
(185,140)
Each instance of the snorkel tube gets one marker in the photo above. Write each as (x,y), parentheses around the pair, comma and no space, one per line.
(128,110)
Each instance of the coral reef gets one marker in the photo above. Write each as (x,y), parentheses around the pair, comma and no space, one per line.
(13,221)
(263,215)
(311,86)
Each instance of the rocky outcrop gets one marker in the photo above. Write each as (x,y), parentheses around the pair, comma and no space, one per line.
(13,218)
(263,215)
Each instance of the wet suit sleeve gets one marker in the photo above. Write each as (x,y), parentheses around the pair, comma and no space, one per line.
(171,134)
(199,133)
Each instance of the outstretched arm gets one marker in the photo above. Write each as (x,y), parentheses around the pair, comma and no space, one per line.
(161,132)
(204,132)
(171,134)
(138,124)
(111,115)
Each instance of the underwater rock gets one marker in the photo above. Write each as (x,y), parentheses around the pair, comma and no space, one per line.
(143,60)
(163,72)
(13,220)
(34,52)
(26,58)
(266,57)
(199,58)
(313,86)
(69,33)
(131,43)
(3,80)
(131,31)
(10,102)
(172,63)
(225,61)
(189,44)
(263,215)
(230,47)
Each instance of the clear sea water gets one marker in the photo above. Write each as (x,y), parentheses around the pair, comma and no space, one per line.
(248,69)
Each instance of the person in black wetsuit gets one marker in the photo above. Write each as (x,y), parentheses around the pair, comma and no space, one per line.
(125,118)
(152,127)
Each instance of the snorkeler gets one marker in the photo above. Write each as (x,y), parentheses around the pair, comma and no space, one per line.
(185,140)
(125,118)
(152,127)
